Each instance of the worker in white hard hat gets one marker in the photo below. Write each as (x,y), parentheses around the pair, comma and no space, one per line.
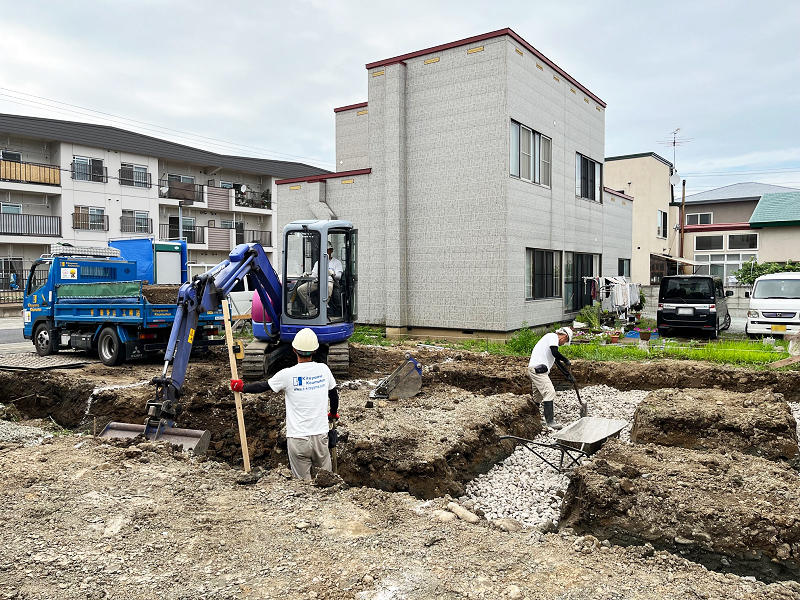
(335,270)
(545,354)
(308,386)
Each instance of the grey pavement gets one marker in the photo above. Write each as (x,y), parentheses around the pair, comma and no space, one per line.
(11,340)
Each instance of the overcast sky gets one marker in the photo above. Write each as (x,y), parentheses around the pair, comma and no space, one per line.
(261,78)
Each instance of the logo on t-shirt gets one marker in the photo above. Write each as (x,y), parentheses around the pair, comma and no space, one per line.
(309,382)
(297,382)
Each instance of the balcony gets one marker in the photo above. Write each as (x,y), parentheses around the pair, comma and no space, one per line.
(140,179)
(26,172)
(177,190)
(30,225)
(192,235)
(249,236)
(89,172)
(251,199)
(90,221)
(135,225)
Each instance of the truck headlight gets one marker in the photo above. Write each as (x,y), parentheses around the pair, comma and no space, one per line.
(752,314)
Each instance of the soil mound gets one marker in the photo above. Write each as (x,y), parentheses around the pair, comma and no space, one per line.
(161,294)
(759,423)
(729,512)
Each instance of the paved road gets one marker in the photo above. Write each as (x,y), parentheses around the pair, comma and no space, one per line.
(11,340)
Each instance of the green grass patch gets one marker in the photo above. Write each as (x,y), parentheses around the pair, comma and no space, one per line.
(371,336)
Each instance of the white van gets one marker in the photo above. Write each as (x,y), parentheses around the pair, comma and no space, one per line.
(774,305)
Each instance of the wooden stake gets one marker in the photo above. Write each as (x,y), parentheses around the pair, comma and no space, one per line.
(237,396)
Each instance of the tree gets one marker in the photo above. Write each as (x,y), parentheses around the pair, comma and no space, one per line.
(752,269)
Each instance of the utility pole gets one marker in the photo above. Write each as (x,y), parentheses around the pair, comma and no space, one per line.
(683,218)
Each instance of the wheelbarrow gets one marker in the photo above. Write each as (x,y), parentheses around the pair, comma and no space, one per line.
(576,441)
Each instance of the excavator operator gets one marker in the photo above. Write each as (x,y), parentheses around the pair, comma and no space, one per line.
(309,386)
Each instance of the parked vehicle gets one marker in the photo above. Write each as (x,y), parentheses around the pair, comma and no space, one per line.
(774,305)
(696,302)
(90,299)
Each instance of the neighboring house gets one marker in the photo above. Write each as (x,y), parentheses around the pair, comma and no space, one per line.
(728,226)
(84,184)
(656,242)
(474,175)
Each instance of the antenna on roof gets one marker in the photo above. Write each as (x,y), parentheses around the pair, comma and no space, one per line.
(675,141)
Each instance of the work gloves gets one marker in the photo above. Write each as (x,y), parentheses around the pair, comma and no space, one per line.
(237,385)
(333,416)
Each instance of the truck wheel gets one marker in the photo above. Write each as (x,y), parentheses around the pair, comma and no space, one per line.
(110,348)
(45,344)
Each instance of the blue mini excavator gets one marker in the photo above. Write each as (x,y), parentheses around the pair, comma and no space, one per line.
(319,275)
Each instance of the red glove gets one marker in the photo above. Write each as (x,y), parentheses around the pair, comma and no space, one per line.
(332,416)
(237,385)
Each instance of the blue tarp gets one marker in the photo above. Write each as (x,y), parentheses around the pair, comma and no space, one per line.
(140,250)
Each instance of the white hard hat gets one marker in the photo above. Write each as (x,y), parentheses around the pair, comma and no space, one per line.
(567,332)
(330,246)
(305,342)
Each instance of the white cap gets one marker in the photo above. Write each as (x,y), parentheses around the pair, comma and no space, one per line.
(305,342)
(330,246)
(565,331)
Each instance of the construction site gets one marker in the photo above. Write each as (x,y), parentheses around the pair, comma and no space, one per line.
(697,495)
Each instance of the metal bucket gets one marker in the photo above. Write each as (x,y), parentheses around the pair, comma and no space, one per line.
(196,440)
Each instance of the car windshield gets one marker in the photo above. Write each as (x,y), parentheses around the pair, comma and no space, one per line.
(777,288)
(685,288)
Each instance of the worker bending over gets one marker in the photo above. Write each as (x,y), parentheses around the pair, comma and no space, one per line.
(309,386)
(545,354)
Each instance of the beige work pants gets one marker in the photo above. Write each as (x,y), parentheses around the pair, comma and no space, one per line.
(543,389)
(307,451)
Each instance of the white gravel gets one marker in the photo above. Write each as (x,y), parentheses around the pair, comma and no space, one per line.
(11,432)
(524,487)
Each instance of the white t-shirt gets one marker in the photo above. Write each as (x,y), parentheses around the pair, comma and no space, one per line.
(541,354)
(306,386)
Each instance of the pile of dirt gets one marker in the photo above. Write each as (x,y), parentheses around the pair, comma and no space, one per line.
(759,423)
(730,512)
(161,294)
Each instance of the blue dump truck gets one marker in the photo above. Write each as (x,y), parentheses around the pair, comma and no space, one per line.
(96,300)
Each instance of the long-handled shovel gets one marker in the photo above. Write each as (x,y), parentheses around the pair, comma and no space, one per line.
(584,411)
(333,440)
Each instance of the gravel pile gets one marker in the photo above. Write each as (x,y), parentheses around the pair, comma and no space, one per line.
(11,432)
(523,487)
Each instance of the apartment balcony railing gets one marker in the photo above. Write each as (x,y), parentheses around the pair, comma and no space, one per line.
(135,225)
(177,190)
(192,235)
(252,199)
(12,285)
(26,172)
(248,236)
(89,221)
(133,178)
(43,225)
(84,172)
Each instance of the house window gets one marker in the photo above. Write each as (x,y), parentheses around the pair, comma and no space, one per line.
(227,185)
(542,274)
(662,224)
(11,156)
(88,169)
(10,209)
(746,241)
(624,267)
(531,155)
(135,175)
(227,224)
(708,242)
(699,219)
(180,178)
(722,265)
(588,178)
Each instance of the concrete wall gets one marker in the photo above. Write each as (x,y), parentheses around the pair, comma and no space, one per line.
(725,212)
(617,232)
(352,139)
(650,188)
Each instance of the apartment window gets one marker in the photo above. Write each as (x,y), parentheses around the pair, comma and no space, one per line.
(588,178)
(227,185)
(88,169)
(542,274)
(227,224)
(135,221)
(135,175)
(180,178)
(10,209)
(624,267)
(662,224)
(699,219)
(708,242)
(531,155)
(747,241)
(11,156)
(89,217)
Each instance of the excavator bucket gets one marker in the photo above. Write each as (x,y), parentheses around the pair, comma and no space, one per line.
(404,382)
(196,440)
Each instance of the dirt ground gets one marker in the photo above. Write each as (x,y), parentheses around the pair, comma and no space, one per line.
(84,517)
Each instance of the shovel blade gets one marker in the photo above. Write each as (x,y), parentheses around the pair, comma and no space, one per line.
(196,440)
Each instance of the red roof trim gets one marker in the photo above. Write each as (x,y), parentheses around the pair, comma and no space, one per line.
(314,178)
(350,107)
(716,227)
(480,38)
(617,193)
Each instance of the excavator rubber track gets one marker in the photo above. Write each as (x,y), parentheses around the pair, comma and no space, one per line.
(339,359)
(253,361)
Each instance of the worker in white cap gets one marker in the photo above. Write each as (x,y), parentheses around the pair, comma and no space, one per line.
(309,386)
(545,354)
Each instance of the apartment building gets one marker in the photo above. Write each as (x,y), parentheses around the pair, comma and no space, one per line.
(86,184)
(474,173)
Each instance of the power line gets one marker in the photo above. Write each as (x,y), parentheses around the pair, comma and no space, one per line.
(149,126)
(743,172)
